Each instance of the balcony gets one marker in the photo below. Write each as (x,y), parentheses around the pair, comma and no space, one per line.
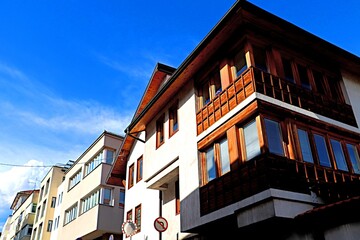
(271,171)
(255,80)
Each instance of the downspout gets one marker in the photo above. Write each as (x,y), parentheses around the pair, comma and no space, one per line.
(160,210)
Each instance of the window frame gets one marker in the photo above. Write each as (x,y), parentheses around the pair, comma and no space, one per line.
(138,226)
(160,131)
(139,168)
(173,114)
(215,146)
(131,176)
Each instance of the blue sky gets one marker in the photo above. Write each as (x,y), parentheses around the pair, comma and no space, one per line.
(71,69)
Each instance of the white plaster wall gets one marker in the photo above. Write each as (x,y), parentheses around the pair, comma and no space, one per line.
(139,194)
(352,87)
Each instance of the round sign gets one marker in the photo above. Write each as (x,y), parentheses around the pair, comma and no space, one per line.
(160,224)
(129,228)
(111,237)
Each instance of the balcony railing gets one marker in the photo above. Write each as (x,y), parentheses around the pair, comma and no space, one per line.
(256,80)
(269,171)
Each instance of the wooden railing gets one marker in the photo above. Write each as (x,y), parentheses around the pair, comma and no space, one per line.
(256,80)
(269,171)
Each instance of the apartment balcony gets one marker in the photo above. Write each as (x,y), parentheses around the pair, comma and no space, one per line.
(256,80)
(271,171)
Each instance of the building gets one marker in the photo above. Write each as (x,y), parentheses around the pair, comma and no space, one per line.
(87,207)
(20,224)
(43,223)
(255,133)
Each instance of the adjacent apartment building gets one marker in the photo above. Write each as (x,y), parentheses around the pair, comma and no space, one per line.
(19,225)
(86,207)
(254,136)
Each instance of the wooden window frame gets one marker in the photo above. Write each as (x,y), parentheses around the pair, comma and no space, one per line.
(131,176)
(209,82)
(129,215)
(173,114)
(217,158)
(160,131)
(139,171)
(137,208)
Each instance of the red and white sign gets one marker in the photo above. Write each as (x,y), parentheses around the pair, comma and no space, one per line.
(160,224)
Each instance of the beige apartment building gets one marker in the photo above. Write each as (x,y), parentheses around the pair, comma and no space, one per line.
(87,207)
(43,222)
(19,225)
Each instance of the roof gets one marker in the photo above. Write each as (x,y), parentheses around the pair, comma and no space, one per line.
(26,193)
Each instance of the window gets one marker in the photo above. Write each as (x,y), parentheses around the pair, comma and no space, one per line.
(90,201)
(216,160)
(94,162)
(70,214)
(122,197)
(251,139)
(173,120)
(49,226)
(53,202)
(319,82)
(322,151)
(34,233)
(177,198)
(41,193)
(304,77)
(240,63)
(37,213)
(260,58)
(40,230)
(338,155)
(288,72)
(75,179)
(160,131)
(354,157)
(305,146)
(106,196)
(274,137)
(60,198)
(210,87)
(33,208)
(131,176)
(43,208)
(55,223)
(129,215)
(139,169)
(47,186)
(138,217)
(335,90)
(109,156)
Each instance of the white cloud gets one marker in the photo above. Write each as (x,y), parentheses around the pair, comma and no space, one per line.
(17,179)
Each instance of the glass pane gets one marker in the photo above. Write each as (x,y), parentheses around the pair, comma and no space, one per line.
(224,156)
(210,164)
(217,83)
(205,94)
(274,137)
(288,70)
(304,78)
(240,63)
(252,144)
(305,146)
(109,156)
(260,58)
(322,150)
(319,81)
(339,155)
(354,157)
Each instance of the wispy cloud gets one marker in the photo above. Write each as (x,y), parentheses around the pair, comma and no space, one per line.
(126,67)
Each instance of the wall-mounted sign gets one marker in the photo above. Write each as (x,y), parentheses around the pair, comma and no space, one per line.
(160,224)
